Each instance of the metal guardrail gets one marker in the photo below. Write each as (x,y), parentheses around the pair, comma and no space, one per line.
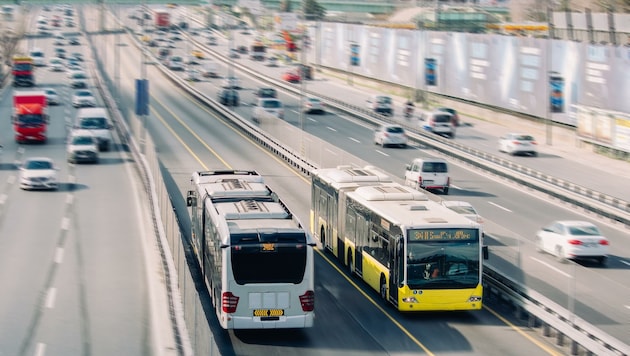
(552,315)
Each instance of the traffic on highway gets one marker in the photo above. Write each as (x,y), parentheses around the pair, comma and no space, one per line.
(577,260)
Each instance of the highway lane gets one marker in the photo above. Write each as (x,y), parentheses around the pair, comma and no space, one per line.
(74,266)
(190,138)
(523,213)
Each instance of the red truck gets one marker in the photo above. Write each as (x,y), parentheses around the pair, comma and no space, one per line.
(22,71)
(162,19)
(30,117)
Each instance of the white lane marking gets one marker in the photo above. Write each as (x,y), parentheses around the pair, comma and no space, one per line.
(627,306)
(552,267)
(50,297)
(3,199)
(331,128)
(354,139)
(500,207)
(383,153)
(65,223)
(310,118)
(456,187)
(59,255)
(69,198)
(625,262)
(40,349)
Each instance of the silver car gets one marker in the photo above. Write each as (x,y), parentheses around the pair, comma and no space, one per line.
(518,143)
(38,173)
(390,135)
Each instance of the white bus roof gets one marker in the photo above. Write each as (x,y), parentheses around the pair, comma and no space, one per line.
(350,176)
(408,207)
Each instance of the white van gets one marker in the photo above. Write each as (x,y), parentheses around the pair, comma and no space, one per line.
(381,104)
(96,120)
(428,173)
(439,122)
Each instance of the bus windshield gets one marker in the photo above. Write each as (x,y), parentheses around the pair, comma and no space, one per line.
(443,264)
(31,119)
(279,259)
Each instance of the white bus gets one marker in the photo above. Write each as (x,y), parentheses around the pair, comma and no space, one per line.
(418,254)
(255,256)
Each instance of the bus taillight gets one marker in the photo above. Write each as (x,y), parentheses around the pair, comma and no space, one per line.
(308,301)
(230,302)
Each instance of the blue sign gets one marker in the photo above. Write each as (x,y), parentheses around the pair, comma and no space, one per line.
(142,97)
(355,60)
(556,93)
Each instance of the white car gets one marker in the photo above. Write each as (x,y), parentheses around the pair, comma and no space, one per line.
(271,62)
(463,208)
(231,82)
(78,79)
(82,147)
(572,239)
(518,143)
(193,75)
(267,107)
(52,98)
(56,64)
(38,173)
(175,63)
(390,135)
(83,98)
(314,106)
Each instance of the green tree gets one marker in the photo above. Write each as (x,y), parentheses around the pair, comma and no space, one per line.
(313,10)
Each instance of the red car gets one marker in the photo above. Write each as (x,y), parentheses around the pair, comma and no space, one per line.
(291,77)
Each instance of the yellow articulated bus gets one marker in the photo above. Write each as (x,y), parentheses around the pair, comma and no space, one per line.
(418,254)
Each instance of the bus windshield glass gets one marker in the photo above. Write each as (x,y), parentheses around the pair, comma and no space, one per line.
(443,259)
(276,258)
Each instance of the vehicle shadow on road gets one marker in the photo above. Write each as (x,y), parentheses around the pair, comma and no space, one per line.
(8,167)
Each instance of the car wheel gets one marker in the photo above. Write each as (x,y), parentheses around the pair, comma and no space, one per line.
(383,288)
(445,190)
(535,154)
(560,255)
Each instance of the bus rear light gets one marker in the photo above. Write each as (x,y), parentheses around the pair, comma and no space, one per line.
(308,301)
(229,302)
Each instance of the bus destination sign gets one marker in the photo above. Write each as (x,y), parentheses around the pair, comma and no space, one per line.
(443,235)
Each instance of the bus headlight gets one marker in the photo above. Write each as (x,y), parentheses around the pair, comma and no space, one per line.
(474,298)
(410,300)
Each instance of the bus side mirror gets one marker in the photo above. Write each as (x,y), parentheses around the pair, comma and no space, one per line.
(190,198)
(408,167)
(485,252)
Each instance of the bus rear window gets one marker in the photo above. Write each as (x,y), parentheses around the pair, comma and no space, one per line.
(268,263)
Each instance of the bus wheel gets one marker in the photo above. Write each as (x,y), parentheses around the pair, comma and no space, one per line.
(350,264)
(322,238)
(383,288)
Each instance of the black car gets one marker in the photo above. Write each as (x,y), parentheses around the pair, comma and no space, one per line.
(74,41)
(229,97)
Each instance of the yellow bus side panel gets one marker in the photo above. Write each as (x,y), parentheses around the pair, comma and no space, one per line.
(440,299)
(372,271)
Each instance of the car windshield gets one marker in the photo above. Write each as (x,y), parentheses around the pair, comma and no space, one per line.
(94,123)
(268,92)
(395,130)
(82,140)
(586,230)
(38,165)
(84,93)
(384,100)
(436,167)
(271,104)
(50,92)
(37,54)
(442,118)
(524,138)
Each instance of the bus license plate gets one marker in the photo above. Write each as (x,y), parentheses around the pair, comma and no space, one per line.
(268,312)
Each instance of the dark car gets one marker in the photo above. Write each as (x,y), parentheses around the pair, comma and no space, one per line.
(73,41)
(242,49)
(266,92)
(229,97)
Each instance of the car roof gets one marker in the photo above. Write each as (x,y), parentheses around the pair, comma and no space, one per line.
(45,159)
(81,132)
(575,223)
(449,203)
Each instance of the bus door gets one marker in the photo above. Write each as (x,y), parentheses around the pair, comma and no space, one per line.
(395,270)
(362,237)
(331,226)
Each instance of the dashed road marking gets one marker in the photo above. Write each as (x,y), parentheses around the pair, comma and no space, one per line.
(50,297)
(552,267)
(331,128)
(500,207)
(59,255)
(354,139)
(383,153)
